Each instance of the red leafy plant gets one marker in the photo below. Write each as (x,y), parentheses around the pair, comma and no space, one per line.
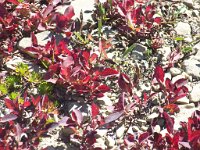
(19,19)
(80,132)
(187,137)
(133,19)
(172,91)
(28,120)
(73,69)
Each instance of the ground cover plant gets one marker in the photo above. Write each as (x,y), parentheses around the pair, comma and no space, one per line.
(72,94)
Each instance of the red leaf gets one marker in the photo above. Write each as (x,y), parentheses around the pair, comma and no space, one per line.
(34,39)
(95,110)
(35,101)
(102,50)
(172,108)
(125,83)
(169,122)
(9,117)
(113,116)
(47,10)
(103,88)
(159,73)
(26,104)
(77,116)
(109,72)
(69,12)
(16,2)
(68,61)
(10,104)
(10,46)
(143,136)
(157,20)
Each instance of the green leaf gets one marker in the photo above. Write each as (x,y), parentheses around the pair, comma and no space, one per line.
(22,69)
(187,49)
(45,88)
(3,89)
(131,48)
(13,95)
(12,80)
(179,38)
(100,24)
(34,77)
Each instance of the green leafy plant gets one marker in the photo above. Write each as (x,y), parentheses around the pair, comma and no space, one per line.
(3,89)
(22,69)
(45,87)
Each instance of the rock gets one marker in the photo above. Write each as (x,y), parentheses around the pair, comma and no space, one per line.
(120,131)
(135,128)
(196,48)
(152,116)
(195,93)
(176,78)
(189,106)
(183,100)
(157,129)
(168,75)
(15,60)
(175,71)
(183,115)
(110,142)
(100,143)
(189,3)
(138,52)
(144,128)
(141,122)
(183,29)
(105,100)
(192,67)
(87,8)
(12,63)
(101,132)
(84,108)
(164,51)
(42,38)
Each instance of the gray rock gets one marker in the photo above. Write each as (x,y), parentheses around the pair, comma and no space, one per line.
(196,48)
(102,132)
(87,8)
(138,52)
(135,128)
(84,108)
(157,129)
(100,143)
(176,78)
(144,128)
(164,51)
(183,29)
(120,131)
(183,100)
(42,38)
(105,100)
(189,106)
(189,3)
(168,75)
(12,63)
(192,67)
(152,116)
(195,93)
(110,142)
(175,71)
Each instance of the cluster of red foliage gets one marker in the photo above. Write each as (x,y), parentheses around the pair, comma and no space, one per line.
(79,70)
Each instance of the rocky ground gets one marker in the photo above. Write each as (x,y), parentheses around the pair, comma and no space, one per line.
(186,26)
